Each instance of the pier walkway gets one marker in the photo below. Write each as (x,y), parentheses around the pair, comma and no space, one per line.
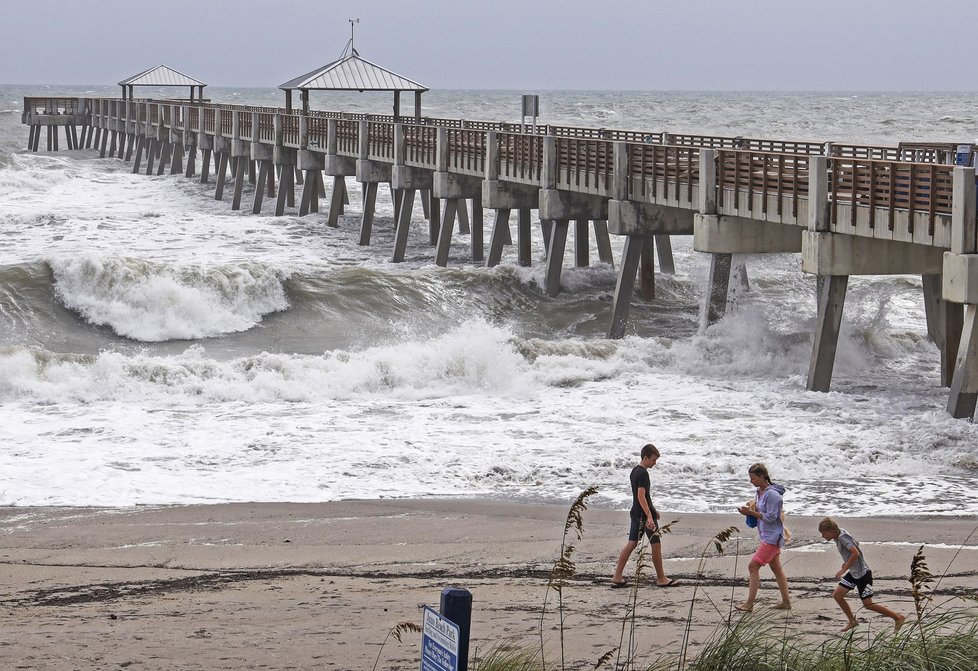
(847,209)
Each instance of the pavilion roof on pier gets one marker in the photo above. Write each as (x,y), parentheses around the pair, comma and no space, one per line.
(352,73)
(161,75)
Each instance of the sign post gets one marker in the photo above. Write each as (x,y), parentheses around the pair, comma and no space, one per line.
(531,108)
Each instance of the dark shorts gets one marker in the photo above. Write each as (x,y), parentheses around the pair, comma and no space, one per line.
(863,586)
(638,523)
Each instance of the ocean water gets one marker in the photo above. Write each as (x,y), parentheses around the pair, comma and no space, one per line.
(156,347)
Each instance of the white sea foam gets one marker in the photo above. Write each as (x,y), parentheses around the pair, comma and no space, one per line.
(474,359)
(151,302)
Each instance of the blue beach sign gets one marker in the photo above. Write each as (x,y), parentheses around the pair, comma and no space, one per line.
(439,643)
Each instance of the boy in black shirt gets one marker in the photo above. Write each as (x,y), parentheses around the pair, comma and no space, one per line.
(643,517)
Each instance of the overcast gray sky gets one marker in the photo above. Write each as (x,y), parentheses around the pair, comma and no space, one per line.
(506,44)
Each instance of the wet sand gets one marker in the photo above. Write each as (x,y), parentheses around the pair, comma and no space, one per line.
(320,586)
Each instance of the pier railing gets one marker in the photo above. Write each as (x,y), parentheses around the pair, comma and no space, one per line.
(467,151)
(663,174)
(892,195)
(347,137)
(520,158)
(585,166)
(763,185)
(420,145)
(905,188)
(317,133)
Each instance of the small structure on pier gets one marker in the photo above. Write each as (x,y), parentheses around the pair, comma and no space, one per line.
(162,75)
(352,73)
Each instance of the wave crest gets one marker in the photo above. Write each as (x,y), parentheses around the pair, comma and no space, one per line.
(475,358)
(153,302)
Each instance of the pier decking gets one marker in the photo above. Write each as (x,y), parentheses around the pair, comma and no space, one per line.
(848,209)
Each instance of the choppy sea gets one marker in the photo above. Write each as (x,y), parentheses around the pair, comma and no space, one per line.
(156,347)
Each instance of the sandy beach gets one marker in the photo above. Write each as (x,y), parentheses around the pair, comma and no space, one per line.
(319,586)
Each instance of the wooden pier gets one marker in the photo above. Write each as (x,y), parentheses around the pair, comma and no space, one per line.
(847,209)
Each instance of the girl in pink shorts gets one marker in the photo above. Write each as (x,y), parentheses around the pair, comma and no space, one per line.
(770,528)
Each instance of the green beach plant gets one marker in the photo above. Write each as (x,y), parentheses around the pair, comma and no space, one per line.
(719,541)
(631,605)
(395,633)
(564,568)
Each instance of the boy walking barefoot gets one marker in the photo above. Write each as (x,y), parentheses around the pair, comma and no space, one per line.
(644,519)
(855,573)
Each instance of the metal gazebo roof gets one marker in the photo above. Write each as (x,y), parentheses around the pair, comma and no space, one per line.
(353,73)
(162,75)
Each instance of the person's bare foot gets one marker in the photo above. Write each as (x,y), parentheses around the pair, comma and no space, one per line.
(784,605)
(744,607)
(852,625)
(898,623)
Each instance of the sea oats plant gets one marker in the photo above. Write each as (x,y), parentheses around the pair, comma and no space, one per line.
(565,568)
(395,633)
(719,541)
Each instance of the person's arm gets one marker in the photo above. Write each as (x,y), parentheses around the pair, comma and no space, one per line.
(643,500)
(769,507)
(854,555)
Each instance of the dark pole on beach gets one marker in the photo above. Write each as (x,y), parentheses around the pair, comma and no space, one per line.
(456,605)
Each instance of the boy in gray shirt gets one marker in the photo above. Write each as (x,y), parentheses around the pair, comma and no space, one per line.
(855,573)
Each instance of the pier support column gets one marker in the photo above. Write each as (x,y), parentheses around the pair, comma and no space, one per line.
(260,184)
(374,172)
(477,240)
(239,178)
(152,151)
(103,141)
(960,289)
(140,148)
(205,166)
(367,218)
(445,231)
(582,244)
(523,240)
(462,214)
(176,158)
(191,162)
(434,217)
(311,163)
(663,245)
(165,154)
(555,255)
(129,140)
(603,241)
(631,253)
(501,236)
(403,225)
(261,156)
(112,146)
(715,305)
(222,175)
(285,159)
(831,300)
(646,269)
(963,396)
(944,323)
(336,199)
